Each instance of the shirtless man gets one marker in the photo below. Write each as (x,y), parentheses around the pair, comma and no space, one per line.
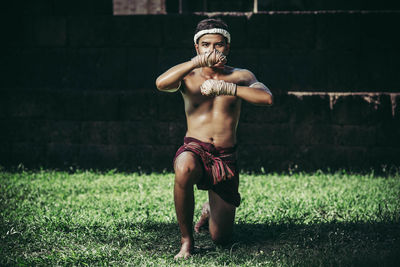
(212,94)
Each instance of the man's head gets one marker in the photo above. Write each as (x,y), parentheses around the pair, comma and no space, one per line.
(212,34)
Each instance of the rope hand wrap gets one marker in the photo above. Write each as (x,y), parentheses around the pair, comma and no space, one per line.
(219,169)
(218,87)
(209,59)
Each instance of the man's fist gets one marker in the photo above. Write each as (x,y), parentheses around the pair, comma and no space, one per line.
(217,87)
(209,59)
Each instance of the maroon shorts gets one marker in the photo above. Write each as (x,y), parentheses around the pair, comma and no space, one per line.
(227,189)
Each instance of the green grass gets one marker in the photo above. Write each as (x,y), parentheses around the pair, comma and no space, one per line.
(91,218)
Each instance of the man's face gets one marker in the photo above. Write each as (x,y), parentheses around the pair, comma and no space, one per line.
(209,42)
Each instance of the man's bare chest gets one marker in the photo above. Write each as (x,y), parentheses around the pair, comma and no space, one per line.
(193,82)
(196,102)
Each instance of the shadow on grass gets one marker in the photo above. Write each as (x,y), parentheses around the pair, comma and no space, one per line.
(360,244)
(332,244)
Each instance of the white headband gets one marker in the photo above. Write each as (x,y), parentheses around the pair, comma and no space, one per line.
(223,32)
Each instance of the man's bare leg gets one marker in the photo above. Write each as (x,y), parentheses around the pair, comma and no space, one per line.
(222,217)
(187,172)
(205,215)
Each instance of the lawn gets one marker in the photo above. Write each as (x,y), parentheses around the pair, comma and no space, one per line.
(92,218)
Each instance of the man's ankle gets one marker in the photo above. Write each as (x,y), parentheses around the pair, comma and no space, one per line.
(187,240)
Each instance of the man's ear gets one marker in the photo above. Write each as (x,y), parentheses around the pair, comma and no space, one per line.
(196,46)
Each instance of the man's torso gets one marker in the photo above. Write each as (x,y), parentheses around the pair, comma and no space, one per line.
(212,119)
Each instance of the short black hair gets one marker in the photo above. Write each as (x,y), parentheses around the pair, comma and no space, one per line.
(211,23)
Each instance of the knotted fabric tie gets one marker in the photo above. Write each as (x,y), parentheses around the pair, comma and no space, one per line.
(219,169)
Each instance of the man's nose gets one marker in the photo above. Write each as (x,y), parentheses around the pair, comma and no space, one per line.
(209,49)
(212,48)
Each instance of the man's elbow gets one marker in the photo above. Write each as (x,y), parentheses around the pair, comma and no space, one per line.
(267,100)
(160,85)
(270,100)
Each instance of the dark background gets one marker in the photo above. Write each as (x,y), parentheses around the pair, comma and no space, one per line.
(77,84)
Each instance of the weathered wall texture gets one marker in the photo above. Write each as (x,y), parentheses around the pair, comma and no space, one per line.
(136,7)
(77,88)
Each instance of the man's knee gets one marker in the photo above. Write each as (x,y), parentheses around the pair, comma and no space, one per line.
(221,237)
(187,169)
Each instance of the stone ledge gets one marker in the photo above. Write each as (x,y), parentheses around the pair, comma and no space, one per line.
(372,98)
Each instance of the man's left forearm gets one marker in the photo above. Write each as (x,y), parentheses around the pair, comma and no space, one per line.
(254,95)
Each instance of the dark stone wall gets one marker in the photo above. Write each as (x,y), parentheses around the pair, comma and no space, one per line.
(303,52)
(304,5)
(77,86)
(279,5)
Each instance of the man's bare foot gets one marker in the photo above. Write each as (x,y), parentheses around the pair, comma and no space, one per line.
(205,215)
(186,250)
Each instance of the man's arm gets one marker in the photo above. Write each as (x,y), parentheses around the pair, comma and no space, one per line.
(255,95)
(170,80)
(253,92)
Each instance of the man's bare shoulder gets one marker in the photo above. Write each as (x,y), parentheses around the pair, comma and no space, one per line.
(244,76)
(242,71)
(191,75)
(191,82)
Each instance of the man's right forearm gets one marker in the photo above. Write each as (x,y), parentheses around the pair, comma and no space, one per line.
(171,79)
